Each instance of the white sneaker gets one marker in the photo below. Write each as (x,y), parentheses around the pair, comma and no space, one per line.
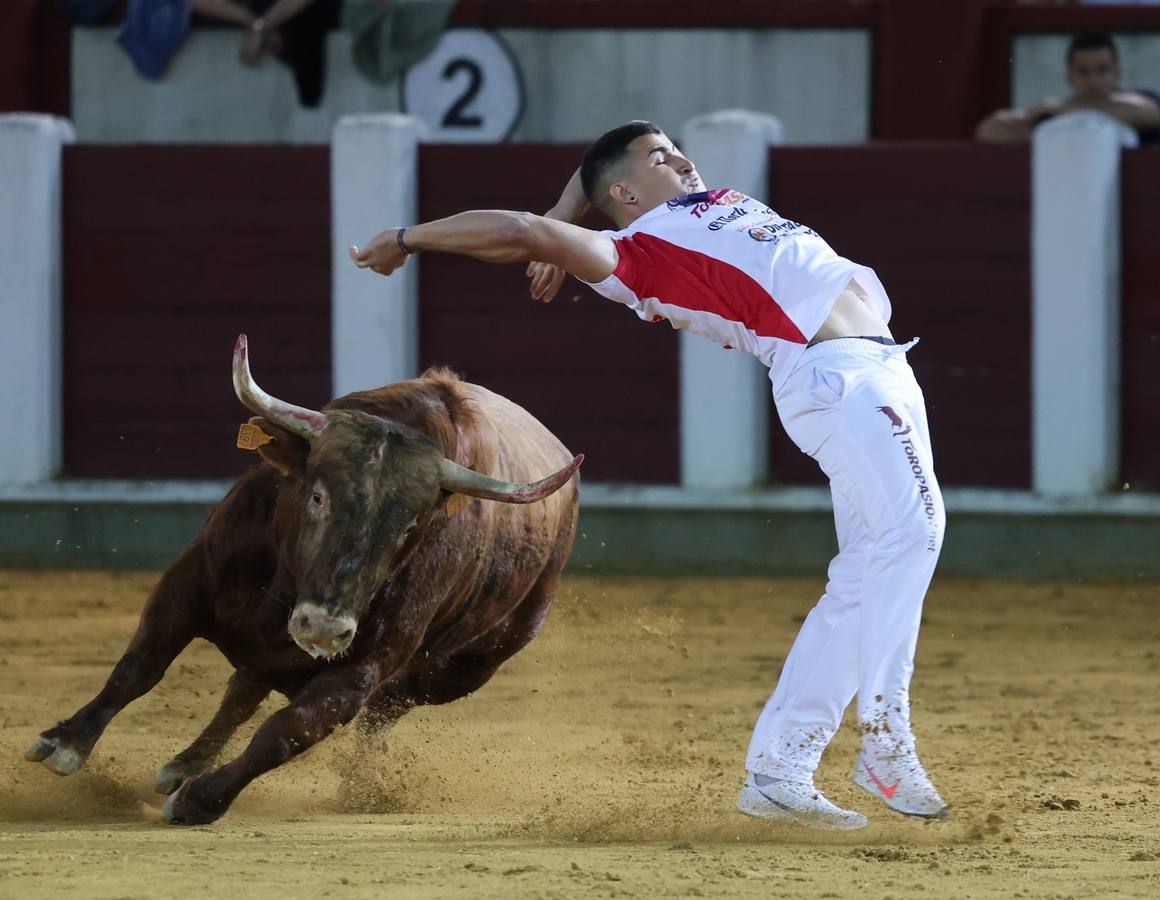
(902,784)
(798,802)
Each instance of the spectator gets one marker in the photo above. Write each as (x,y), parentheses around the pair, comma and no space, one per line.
(262,32)
(1093,74)
(293,30)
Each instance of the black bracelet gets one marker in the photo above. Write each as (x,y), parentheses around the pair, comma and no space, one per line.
(399,240)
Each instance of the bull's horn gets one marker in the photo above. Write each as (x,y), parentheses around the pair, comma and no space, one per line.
(297,419)
(460,480)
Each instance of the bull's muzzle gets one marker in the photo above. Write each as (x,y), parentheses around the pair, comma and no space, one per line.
(320,633)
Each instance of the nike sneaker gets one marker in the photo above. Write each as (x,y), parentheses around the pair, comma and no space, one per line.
(795,801)
(902,784)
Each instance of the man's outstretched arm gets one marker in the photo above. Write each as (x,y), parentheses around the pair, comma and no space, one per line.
(495,235)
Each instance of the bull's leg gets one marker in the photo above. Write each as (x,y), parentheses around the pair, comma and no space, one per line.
(471,667)
(167,625)
(461,674)
(364,788)
(332,698)
(241,701)
(383,710)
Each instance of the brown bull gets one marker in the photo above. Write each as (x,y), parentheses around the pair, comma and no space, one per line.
(349,571)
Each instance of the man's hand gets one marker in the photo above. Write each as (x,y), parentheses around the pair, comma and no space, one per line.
(382,253)
(546,280)
(1048,109)
(571,207)
(1005,126)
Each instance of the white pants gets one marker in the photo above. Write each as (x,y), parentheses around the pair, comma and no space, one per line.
(855,407)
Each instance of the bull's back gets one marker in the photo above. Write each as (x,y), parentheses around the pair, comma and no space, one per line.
(528,450)
(524,450)
(519,549)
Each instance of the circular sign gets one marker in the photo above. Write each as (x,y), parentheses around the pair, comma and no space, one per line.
(468,89)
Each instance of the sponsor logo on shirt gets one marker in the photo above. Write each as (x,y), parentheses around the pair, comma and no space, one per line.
(721,221)
(772,232)
(700,203)
(768,230)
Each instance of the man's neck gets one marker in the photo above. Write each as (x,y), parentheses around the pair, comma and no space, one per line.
(624,216)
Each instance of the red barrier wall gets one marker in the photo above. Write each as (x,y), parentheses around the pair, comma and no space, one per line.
(169,253)
(1140,293)
(166,263)
(946,226)
(602,380)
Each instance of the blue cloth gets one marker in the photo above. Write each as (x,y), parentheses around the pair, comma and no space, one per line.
(153,31)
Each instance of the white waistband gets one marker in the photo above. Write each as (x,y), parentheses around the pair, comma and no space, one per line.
(855,347)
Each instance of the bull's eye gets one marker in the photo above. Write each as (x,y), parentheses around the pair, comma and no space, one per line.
(316,498)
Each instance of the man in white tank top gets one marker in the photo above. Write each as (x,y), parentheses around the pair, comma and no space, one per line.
(726,266)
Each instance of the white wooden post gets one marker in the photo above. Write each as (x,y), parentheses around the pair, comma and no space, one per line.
(374,185)
(30,298)
(1075,251)
(725,395)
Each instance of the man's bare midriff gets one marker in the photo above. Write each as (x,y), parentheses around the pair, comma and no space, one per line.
(853,315)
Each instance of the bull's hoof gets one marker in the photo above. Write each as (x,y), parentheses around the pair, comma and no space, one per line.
(183,807)
(56,755)
(176,772)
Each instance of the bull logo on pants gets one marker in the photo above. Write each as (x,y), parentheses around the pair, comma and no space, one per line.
(895,420)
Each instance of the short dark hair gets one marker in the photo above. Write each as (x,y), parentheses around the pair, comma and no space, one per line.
(606,151)
(1091,40)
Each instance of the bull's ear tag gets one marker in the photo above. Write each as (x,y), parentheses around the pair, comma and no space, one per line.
(455,503)
(251,437)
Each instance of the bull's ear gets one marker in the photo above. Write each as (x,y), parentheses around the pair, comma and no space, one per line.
(286,451)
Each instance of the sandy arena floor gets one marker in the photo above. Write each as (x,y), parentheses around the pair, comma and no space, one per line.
(606,758)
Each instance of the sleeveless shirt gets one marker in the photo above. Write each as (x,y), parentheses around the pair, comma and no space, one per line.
(727,267)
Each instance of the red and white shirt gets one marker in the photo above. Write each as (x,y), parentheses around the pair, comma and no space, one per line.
(727,267)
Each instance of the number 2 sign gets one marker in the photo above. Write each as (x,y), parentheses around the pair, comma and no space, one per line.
(468,89)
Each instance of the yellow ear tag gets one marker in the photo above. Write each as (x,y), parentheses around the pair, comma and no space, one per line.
(251,437)
(455,503)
